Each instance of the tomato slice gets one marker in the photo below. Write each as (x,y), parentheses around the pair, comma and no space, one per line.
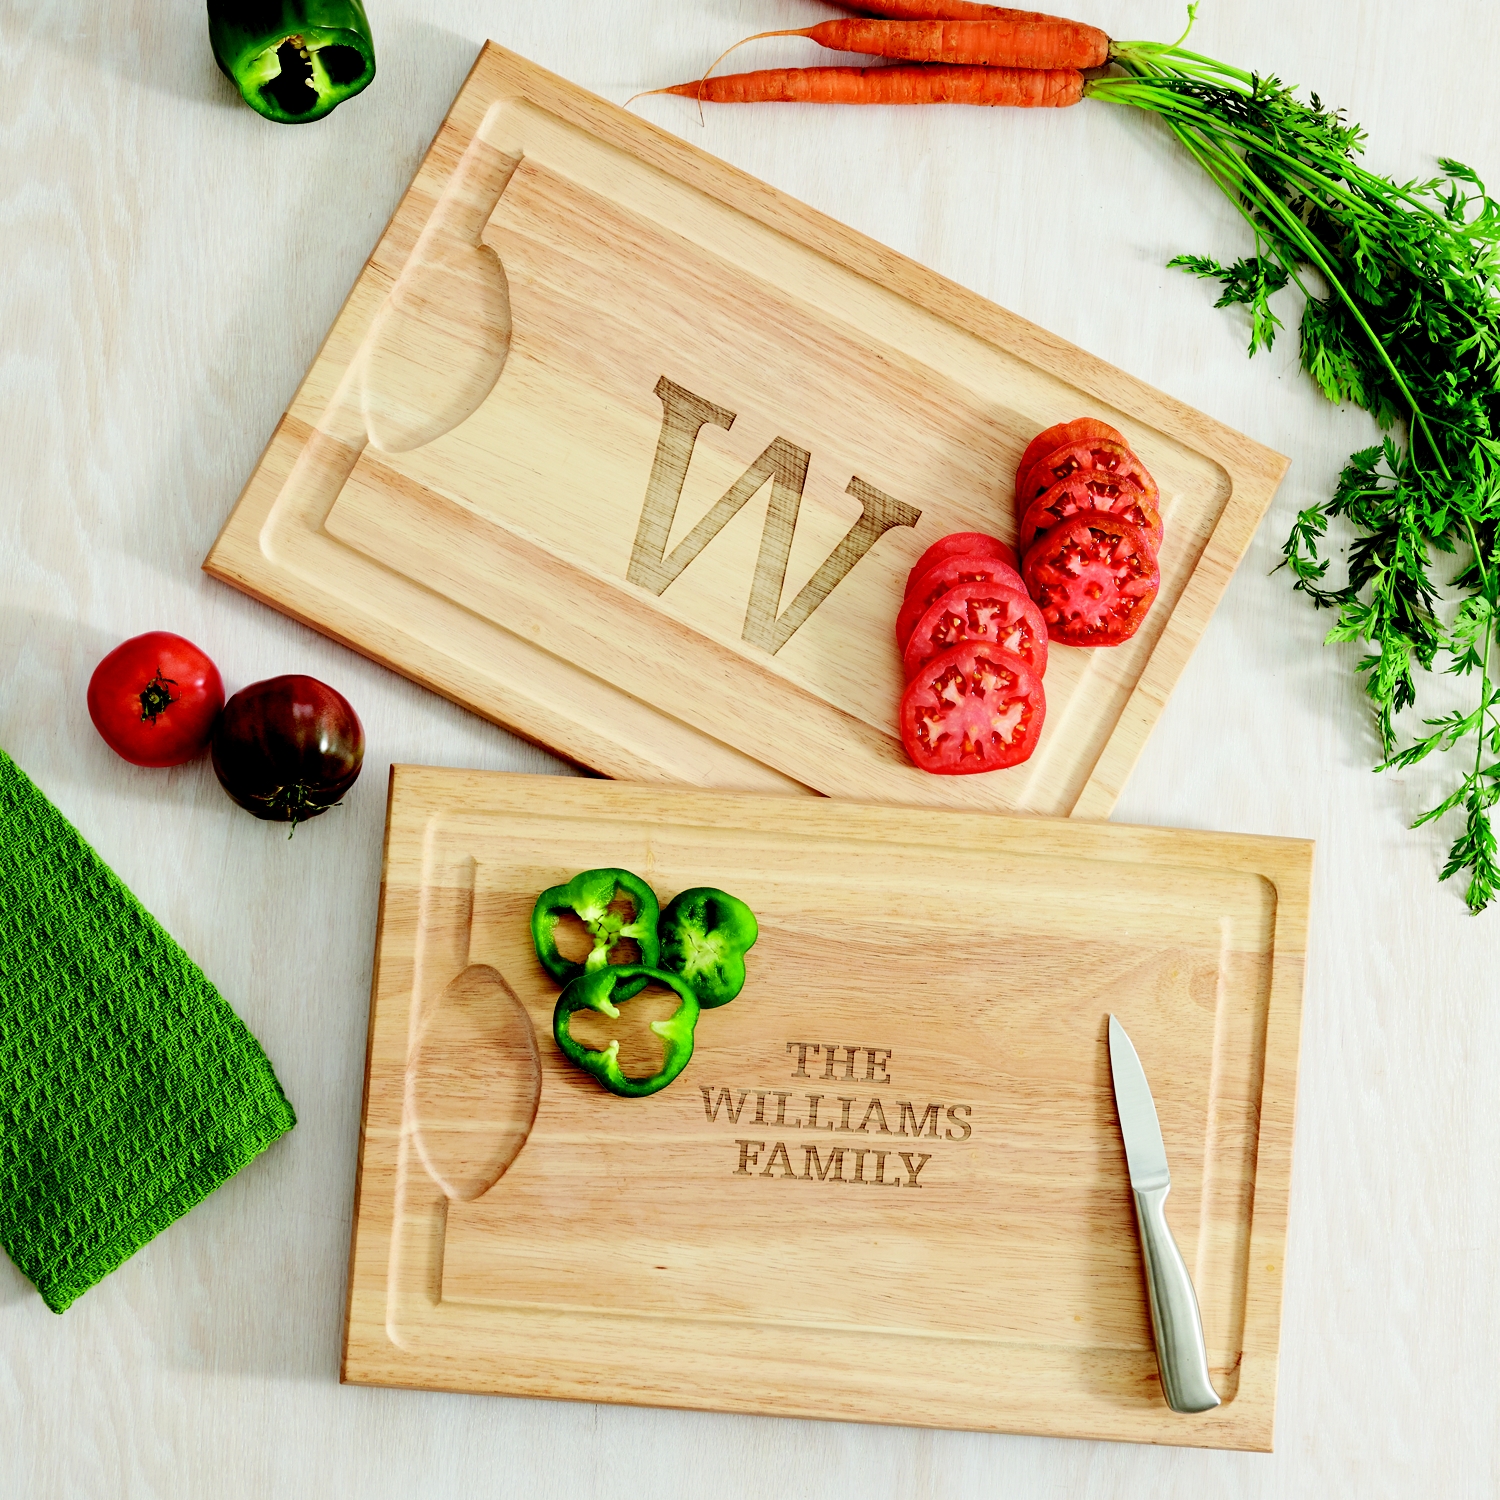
(1088,489)
(969,543)
(950,573)
(973,708)
(1080,430)
(1093,578)
(1005,617)
(1097,453)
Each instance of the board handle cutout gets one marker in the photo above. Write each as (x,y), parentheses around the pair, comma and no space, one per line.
(437,345)
(472,1085)
(476,1081)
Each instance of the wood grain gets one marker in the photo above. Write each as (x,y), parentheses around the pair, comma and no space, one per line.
(897,1148)
(684,463)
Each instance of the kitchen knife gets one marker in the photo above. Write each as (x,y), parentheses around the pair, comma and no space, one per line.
(1176,1323)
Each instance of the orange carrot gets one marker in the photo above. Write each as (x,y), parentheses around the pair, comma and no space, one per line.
(942,10)
(1027,88)
(1006,44)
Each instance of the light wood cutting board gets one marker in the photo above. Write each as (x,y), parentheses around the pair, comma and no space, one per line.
(621,448)
(890,1184)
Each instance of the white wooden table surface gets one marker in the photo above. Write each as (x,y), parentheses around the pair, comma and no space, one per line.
(170,264)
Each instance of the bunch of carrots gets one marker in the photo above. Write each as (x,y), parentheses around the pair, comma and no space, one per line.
(943,51)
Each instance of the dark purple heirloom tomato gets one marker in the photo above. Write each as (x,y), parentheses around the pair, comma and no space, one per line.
(288,748)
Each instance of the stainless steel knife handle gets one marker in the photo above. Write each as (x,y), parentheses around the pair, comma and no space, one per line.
(1176,1323)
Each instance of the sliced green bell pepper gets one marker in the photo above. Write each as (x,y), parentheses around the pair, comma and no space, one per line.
(594,991)
(593,897)
(705,935)
(293,60)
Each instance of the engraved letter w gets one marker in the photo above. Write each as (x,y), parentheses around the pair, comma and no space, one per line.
(684,416)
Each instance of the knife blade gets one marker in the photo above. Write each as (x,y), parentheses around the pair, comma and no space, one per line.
(1176,1324)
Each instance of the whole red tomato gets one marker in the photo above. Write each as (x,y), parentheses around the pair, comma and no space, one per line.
(155,698)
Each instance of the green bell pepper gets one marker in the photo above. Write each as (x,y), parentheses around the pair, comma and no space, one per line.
(293,60)
(593,897)
(705,935)
(593,991)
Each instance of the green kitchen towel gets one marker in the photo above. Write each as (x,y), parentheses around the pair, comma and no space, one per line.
(129,1090)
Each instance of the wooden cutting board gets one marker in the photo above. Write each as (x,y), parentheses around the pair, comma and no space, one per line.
(890,1184)
(626,450)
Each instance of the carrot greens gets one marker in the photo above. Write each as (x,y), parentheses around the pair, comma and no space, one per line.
(1405,325)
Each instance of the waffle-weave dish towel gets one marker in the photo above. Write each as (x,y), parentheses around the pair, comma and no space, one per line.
(129,1090)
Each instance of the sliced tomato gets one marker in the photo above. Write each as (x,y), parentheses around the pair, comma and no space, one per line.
(1085,490)
(1005,617)
(950,573)
(1097,454)
(1093,578)
(969,543)
(1080,430)
(973,708)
